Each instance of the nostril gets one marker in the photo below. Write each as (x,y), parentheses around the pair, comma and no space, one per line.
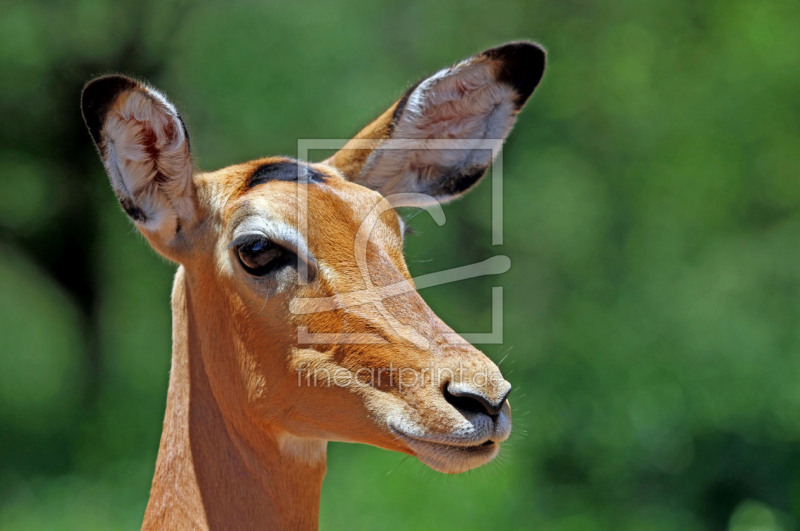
(463,402)
(472,402)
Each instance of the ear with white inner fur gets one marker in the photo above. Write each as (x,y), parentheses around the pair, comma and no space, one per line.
(145,149)
(456,121)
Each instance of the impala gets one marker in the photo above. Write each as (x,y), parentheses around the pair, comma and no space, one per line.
(274,247)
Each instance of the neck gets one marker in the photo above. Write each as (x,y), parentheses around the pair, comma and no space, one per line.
(209,474)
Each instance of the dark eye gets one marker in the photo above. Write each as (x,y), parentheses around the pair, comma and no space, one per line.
(260,256)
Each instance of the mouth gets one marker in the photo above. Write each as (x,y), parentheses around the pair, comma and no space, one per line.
(450,457)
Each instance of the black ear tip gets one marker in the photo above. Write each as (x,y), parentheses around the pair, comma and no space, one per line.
(97,97)
(519,64)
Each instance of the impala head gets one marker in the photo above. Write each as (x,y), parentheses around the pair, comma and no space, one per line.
(308,320)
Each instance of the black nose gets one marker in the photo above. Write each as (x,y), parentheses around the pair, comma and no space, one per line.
(472,400)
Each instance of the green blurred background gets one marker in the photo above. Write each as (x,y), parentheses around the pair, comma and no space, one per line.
(652,216)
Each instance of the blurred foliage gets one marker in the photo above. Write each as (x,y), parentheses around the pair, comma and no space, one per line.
(652,215)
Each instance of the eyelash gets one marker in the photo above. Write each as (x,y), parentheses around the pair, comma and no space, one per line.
(261,262)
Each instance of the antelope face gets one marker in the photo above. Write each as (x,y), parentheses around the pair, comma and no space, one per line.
(296,270)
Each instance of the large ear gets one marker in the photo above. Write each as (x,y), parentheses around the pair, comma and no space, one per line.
(471,105)
(145,148)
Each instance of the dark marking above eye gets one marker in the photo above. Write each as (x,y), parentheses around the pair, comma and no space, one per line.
(284,171)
